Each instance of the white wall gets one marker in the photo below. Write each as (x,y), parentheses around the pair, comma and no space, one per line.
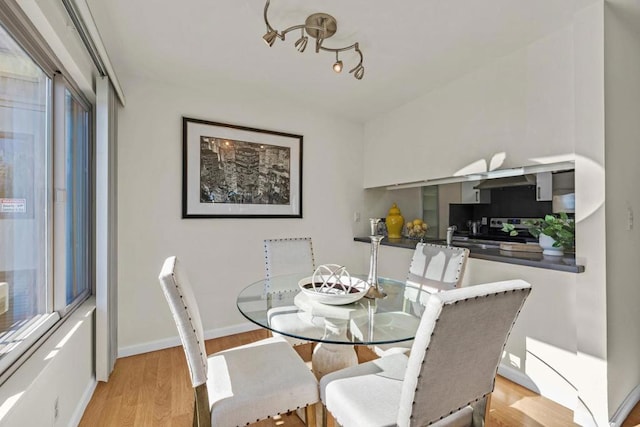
(622,152)
(221,255)
(546,102)
(591,297)
(61,369)
(520,105)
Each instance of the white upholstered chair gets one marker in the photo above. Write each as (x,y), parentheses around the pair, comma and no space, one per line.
(436,268)
(448,376)
(288,256)
(433,268)
(243,384)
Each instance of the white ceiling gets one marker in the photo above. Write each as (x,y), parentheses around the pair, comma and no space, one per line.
(409,47)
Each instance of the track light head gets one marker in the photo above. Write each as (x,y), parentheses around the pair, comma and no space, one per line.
(301,44)
(358,71)
(270,37)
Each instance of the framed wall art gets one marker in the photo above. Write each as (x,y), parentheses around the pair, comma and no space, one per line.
(237,172)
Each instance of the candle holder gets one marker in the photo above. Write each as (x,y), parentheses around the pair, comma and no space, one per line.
(372,279)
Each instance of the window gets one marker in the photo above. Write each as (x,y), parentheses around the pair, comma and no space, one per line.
(78,201)
(45,199)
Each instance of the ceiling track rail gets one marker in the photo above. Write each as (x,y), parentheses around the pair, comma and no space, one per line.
(92,42)
(86,38)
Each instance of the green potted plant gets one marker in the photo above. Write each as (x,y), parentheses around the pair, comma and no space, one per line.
(555,233)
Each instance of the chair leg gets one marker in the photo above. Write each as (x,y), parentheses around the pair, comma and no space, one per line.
(481,412)
(195,413)
(487,406)
(202,410)
(310,412)
(327,418)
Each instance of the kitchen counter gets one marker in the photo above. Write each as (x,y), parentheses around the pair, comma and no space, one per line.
(494,253)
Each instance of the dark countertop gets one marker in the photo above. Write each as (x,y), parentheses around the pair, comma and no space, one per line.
(529,259)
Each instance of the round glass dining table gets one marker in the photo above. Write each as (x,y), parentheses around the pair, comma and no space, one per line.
(279,305)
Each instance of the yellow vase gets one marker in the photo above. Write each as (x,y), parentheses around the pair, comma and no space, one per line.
(394,222)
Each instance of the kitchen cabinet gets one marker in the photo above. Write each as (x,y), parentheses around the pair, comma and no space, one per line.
(471,195)
(544,186)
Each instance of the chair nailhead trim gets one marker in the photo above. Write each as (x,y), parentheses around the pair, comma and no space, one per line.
(527,290)
(175,283)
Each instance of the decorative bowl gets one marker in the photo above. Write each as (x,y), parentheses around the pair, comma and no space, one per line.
(416,229)
(333,285)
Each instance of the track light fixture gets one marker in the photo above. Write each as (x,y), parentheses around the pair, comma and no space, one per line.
(320,26)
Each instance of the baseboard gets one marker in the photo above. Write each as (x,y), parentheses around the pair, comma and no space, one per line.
(625,407)
(175,341)
(514,375)
(83,403)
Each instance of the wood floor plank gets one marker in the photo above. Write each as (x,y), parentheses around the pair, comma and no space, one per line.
(134,381)
(182,391)
(633,420)
(110,416)
(162,403)
(154,389)
(98,402)
(513,404)
(127,415)
(183,420)
(146,393)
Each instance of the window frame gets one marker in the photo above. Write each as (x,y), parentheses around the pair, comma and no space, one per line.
(57,310)
(60,86)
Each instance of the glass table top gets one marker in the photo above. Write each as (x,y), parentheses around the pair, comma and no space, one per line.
(280,306)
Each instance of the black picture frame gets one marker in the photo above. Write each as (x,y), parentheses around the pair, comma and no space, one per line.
(233,171)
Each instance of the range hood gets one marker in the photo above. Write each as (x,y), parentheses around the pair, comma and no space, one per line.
(507,181)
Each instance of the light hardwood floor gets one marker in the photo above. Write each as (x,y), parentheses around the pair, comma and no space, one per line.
(153,389)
